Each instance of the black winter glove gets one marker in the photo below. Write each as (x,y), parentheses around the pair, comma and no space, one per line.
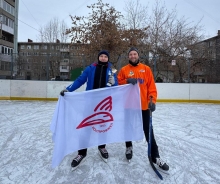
(152,106)
(62,92)
(132,81)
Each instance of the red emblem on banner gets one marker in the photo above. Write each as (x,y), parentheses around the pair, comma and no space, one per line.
(100,117)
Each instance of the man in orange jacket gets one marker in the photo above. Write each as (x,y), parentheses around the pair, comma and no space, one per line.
(137,72)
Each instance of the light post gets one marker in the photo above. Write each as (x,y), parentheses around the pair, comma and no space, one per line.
(83,61)
(47,66)
(188,60)
(12,65)
(155,67)
(1,26)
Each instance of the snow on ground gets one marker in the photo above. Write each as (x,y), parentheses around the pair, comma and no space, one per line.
(188,136)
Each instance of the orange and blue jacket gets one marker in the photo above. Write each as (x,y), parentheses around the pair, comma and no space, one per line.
(145,78)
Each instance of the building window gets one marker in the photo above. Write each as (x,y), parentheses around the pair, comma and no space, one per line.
(7,21)
(36,47)
(22,47)
(210,43)
(3,50)
(4,5)
(44,47)
(9,8)
(64,67)
(6,50)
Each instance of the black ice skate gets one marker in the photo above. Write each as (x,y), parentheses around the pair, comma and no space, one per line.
(129,153)
(103,154)
(161,165)
(77,161)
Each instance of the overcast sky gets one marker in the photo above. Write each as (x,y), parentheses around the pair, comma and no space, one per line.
(35,14)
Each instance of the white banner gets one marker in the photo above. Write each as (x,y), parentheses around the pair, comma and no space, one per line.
(91,118)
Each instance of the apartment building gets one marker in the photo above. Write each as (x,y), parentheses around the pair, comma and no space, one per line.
(46,61)
(8,37)
(208,54)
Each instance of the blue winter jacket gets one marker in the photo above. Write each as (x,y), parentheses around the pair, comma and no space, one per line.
(88,76)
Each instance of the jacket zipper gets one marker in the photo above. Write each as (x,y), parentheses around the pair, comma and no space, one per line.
(100,77)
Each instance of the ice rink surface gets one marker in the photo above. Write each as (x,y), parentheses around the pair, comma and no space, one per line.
(188,136)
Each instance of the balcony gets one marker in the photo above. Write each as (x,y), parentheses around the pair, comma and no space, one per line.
(5,57)
(199,73)
(65,50)
(64,69)
(6,43)
(7,29)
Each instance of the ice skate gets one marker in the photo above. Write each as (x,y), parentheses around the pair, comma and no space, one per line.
(77,161)
(103,154)
(129,153)
(161,165)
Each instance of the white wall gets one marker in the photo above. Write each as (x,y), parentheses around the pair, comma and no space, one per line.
(19,88)
(32,89)
(173,91)
(188,92)
(50,90)
(205,91)
(5,88)
(54,88)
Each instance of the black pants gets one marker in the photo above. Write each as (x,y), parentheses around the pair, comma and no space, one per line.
(154,147)
(84,151)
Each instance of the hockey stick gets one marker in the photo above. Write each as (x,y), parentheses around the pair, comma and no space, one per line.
(149,144)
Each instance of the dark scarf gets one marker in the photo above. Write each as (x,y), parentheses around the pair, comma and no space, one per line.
(134,64)
(100,75)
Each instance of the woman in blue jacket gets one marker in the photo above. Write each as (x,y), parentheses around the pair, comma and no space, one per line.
(97,75)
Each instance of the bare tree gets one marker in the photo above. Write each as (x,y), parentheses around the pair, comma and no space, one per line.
(53,30)
(135,14)
(168,38)
(102,29)
(205,53)
(171,37)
